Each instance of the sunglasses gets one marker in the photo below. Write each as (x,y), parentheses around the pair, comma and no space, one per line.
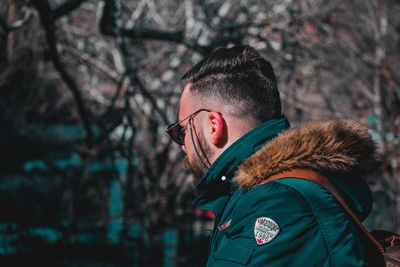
(177,131)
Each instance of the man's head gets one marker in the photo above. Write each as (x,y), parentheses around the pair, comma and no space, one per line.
(224,96)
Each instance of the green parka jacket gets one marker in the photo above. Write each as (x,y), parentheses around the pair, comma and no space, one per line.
(288,222)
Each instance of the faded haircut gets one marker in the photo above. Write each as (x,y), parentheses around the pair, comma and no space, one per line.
(239,78)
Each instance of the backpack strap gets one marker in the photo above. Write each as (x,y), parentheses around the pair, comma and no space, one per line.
(324,182)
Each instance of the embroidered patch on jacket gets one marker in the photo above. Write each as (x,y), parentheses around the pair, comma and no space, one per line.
(265,230)
(222,227)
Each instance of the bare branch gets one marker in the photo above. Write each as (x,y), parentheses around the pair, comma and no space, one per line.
(154,14)
(136,14)
(152,34)
(45,14)
(152,100)
(18,23)
(112,74)
(109,23)
(64,9)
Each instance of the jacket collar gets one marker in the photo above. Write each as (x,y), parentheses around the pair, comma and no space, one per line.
(342,150)
(216,185)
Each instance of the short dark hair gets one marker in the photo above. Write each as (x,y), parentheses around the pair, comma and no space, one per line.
(240,77)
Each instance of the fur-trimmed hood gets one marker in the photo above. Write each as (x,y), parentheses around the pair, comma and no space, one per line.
(339,147)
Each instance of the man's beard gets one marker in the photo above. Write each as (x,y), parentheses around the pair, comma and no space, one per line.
(194,165)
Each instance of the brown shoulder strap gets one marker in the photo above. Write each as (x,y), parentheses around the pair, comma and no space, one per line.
(331,188)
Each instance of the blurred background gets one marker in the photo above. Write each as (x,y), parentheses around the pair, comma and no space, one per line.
(88,176)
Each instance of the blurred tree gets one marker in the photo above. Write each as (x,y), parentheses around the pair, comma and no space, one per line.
(87,88)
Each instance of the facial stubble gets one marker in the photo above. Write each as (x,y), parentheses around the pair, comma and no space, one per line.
(194,165)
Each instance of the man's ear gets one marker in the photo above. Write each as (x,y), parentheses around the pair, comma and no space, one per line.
(217,128)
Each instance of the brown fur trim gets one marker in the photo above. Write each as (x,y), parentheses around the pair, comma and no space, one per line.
(339,146)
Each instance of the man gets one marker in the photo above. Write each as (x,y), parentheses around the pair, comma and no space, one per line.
(235,139)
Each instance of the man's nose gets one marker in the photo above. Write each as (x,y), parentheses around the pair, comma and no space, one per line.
(183,148)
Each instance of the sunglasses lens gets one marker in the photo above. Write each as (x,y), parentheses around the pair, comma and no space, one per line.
(177,133)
